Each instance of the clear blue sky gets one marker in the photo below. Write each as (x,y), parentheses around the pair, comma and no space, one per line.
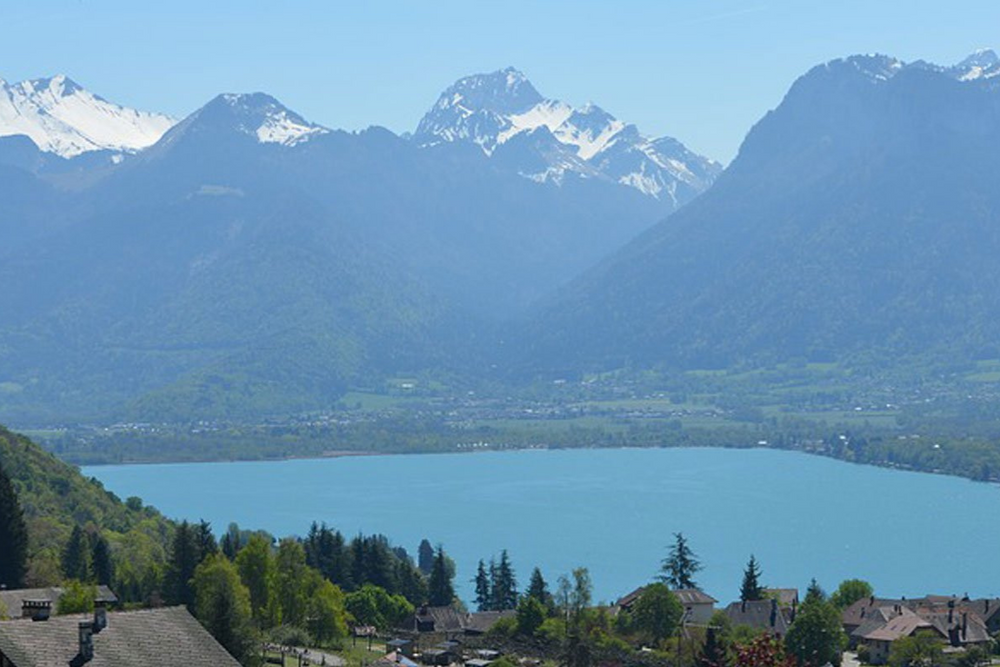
(700,70)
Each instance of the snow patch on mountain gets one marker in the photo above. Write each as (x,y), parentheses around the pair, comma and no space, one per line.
(492,110)
(63,118)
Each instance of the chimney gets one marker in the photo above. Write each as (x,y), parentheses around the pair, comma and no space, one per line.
(36,610)
(86,653)
(100,616)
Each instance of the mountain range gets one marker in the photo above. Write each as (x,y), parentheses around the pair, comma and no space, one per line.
(858,222)
(246,261)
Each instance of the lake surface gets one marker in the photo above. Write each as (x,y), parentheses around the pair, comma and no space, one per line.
(614,511)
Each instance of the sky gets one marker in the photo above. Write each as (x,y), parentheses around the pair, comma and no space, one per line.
(702,71)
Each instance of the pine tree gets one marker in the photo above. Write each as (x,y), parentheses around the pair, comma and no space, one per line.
(441,593)
(101,563)
(680,565)
(483,598)
(504,591)
(207,545)
(76,556)
(538,589)
(425,557)
(181,566)
(751,589)
(13,536)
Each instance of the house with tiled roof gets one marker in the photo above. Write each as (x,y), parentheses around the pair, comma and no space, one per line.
(882,622)
(144,638)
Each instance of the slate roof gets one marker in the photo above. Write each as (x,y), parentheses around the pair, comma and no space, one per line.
(693,596)
(903,623)
(628,600)
(860,612)
(11,600)
(444,619)
(760,614)
(481,621)
(145,638)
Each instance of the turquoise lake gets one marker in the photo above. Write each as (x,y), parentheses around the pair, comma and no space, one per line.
(614,512)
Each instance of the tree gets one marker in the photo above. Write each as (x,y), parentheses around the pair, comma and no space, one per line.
(425,557)
(76,556)
(657,613)
(923,649)
(538,589)
(77,598)
(291,579)
(503,589)
(816,636)
(751,589)
(222,604)
(13,536)
(850,591)
(484,599)
(203,536)
(531,614)
(258,572)
(325,611)
(441,592)
(713,654)
(181,566)
(680,565)
(102,565)
(371,605)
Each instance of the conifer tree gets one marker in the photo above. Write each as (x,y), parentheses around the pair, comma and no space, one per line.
(441,593)
(538,589)
(483,588)
(181,566)
(425,557)
(207,546)
(13,536)
(101,563)
(751,589)
(76,556)
(504,593)
(680,565)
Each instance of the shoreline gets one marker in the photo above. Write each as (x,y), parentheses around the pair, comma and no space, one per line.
(338,454)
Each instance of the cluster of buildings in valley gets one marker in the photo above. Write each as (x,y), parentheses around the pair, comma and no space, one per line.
(443,636)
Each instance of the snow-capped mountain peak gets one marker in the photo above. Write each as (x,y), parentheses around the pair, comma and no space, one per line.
(63,118)
(255,115)
(492,110)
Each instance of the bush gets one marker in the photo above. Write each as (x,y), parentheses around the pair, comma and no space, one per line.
(289,635)
(503,629)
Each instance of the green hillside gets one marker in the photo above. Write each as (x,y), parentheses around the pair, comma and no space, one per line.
(55,498)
